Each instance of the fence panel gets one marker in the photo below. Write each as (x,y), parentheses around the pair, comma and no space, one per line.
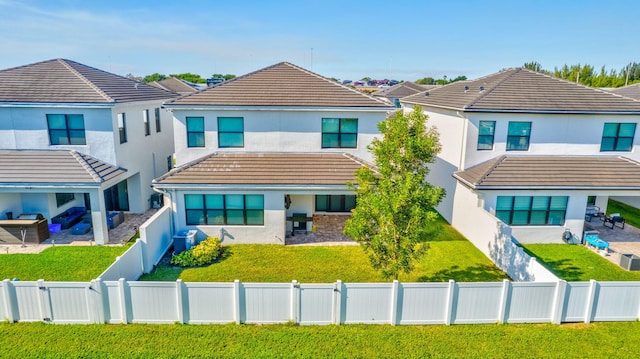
(575,301)
(5,300)
(423,303)
(128,266)
(476,303)
(70,303)
(114,310)
(317,304)
(155,233)
(208,303)
(617,301)
(366,303)
(531,302)
(263,303)
(152,302)
(28,302)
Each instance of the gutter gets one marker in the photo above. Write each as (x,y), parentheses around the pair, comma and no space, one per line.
(172,207)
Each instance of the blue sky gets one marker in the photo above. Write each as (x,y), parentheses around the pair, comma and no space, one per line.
(399,39)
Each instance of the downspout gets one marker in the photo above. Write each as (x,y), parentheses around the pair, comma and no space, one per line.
(163,192)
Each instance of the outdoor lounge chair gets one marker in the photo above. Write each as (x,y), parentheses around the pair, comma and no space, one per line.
(594,240)
(614,219)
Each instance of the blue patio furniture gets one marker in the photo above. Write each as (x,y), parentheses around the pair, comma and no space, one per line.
(594,240)
(81,228)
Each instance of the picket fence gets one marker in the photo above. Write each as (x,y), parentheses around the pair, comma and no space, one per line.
(332,303)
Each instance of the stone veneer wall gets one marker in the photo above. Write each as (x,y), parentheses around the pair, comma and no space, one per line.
(329,227)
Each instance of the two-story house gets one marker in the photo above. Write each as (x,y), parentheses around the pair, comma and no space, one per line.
(531,150)
(268,154)
(88,138)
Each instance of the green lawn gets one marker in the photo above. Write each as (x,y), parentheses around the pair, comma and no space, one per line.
(450,257)
(631,214)
(61,263)
(577,263)
(597,340)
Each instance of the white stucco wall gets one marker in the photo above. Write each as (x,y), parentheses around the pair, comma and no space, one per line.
(274,130)
(10,202)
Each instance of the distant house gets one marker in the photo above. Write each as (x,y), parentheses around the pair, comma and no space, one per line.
(631,91)
(75,136)
(176,85)
(398,91)
(532,150)
(269,153)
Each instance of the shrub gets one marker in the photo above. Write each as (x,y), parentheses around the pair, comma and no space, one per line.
(204,252)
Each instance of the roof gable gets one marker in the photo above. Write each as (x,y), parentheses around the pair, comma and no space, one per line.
(66,81)
(400,90)
(282,84)
(631,91)
(522,90)
(175,85)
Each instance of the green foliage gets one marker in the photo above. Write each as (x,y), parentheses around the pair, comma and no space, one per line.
(187,76)
(596,340)
(631,214)
(426,81)
(441,81)
(533,65)
(154,77)
(60,263)
(203,253)
(395,212)
(226,77)
(589,76)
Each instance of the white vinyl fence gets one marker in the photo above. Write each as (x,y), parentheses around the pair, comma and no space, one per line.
(334,303)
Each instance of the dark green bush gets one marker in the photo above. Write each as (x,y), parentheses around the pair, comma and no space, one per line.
(204,252)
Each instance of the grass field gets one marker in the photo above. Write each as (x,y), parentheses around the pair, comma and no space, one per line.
(597,340)
(450,256)
(61,263)
(577,263)
(631,214)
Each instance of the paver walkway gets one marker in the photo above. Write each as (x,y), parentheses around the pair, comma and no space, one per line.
(621,241)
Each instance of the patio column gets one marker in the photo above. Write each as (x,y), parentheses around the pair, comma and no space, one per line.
(99,217)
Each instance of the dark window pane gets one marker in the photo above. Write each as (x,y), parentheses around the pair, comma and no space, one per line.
(195,217)
(349,203)
(504,203)
(330,125)
(230,124)
(321,203)
(234,201)
(627,130)
(504,216)
(255,217)
(624,144)
(59,137)
(231,140)
(349,141)
(193,201)
(538,217)
(486,127)
(330,141)
(608,144)
(76,122)
(559,203)
(349,125)
(196,140)
(235,216)
(485,142)
(522,203)
(215,201)
(254,201)
(215,216)
(520,217)
(610,130)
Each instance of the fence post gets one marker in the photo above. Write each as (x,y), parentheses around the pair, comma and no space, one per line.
(8,301)
(123,300)
(337,302)
(450,298)
(394,303)
(504,300)
(42,301)
(236,300)
(98,300)
(558,305)
(588,312)
(117,264)
(295,295)
(180,300)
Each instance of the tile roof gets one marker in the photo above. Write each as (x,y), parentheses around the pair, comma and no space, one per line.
(522,90)
(631,91)
(537,172)
(175,85)
(266,169)
(400,90)
(63,167)
(66,81)
(282,84)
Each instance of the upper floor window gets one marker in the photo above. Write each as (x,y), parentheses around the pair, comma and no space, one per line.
(486,131)
(145,120)
(195,131)
(528,210)
(230,132)
(335,203)
(157,112)
(122,127)
(66,129)
(64,198)
(230,209)
(617,136)
(518,136)
(339,132)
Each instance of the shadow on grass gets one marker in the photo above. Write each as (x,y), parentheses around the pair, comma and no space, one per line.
(479,273)
(563,268)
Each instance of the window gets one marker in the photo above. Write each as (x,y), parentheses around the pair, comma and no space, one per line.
(536,210)
(63,198)
(66,129)
(169,163)
(157,112)
(122,127)
(335,203)
(195,131)
(518,136)
(145,119)
(116,197)
(230,132)
(617,136)
(486,130)
(230,209)
(339,132)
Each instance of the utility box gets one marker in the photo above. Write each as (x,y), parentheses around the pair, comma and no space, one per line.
(630,262)
(184,239)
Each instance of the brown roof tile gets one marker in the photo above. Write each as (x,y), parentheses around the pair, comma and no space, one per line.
(282,84)
(65,81)
(267,169)
(175,85)
(522,90)
(400,90)
(553,172)
(64,167)
(631,91)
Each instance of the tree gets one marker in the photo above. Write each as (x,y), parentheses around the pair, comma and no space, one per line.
(188,76)
(226,77)
(154,77)
(426,81)
(395,211)
(533,65)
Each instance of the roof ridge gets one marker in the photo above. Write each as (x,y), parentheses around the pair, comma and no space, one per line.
(83,162)
(488,91)
(184,167)
(81,77)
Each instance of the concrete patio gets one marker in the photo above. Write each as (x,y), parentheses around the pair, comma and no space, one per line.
(621,241)
(117,236)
